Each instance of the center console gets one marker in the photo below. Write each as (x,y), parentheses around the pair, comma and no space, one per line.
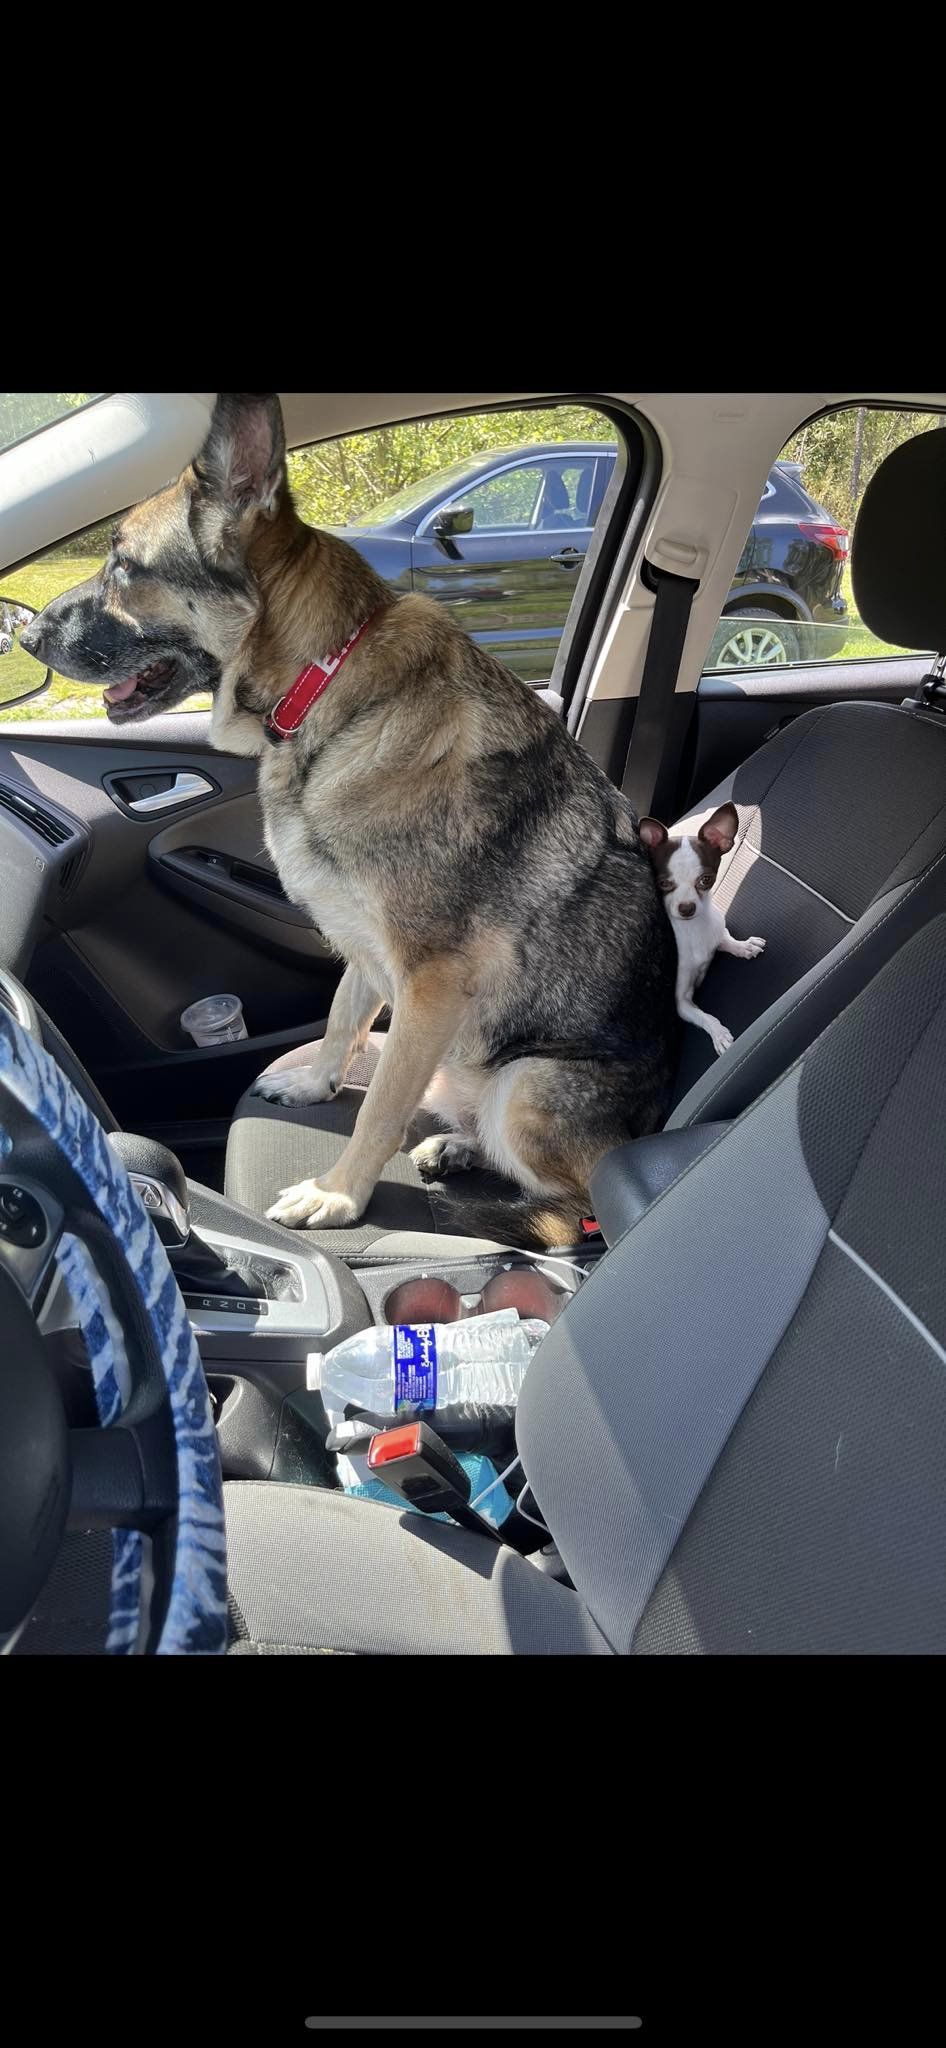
(261,1299)
(255,1338)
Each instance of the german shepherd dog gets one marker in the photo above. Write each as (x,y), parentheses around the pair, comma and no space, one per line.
(455,845)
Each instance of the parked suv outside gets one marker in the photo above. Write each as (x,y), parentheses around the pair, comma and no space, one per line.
(501,537)
(787,586)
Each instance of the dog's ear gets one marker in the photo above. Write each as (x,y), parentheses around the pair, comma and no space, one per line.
(242,461)
(652,832)
(720,830)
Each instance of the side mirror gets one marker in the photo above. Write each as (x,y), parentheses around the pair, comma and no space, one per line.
(20,675)
(452,520)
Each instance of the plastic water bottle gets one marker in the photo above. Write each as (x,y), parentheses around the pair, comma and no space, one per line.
(429,1367)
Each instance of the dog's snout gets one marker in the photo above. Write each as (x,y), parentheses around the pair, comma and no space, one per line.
(686,909)
(31,638)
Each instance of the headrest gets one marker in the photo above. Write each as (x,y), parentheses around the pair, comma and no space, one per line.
(898,557)
(556,493)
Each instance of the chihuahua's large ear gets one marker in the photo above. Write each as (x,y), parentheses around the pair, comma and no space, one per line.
(242,461)
(720,830)
(652,832)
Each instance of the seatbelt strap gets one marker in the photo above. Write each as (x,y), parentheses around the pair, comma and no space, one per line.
(650,735)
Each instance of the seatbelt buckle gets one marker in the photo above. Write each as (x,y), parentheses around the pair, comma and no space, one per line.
(416,1464)
(589,1228)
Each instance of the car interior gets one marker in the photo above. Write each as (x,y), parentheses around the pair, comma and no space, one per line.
(732,1438)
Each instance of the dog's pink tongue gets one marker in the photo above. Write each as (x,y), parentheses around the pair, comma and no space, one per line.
(114,693)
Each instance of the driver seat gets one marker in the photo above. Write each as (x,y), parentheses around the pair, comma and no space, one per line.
(736,1430)
(556,505)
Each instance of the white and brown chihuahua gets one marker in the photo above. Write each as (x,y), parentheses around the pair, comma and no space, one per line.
(686,870)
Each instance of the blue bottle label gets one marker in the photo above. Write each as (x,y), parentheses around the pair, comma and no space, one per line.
(415,1366)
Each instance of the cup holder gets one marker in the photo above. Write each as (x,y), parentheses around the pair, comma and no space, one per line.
(423,1301)
(531,1293)
(435,1301)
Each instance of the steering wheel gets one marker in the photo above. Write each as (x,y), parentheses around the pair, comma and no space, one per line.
(150,1471)
(15,998)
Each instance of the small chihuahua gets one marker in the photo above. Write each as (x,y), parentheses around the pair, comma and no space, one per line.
(686,870)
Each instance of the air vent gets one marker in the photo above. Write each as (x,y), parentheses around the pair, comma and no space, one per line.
(52,829)
(68,872)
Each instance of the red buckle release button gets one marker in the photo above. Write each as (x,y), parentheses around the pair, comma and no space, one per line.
(590,1227)
(394,1443)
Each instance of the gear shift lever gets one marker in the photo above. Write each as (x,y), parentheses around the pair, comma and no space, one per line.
(160,1180)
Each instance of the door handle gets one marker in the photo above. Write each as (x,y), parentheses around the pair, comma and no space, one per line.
(185,789)
(569,557)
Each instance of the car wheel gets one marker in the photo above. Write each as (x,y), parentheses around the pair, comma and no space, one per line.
(754,638)
(6,644)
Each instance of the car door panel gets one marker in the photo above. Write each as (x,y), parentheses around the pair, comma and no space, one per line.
(167,905)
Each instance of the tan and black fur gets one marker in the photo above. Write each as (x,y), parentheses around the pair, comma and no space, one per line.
(471,865)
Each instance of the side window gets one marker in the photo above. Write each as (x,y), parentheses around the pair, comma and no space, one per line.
(530,470)
(566,495)
(791,599)
(60,568)
(508,501)
(548,496)
(531,480)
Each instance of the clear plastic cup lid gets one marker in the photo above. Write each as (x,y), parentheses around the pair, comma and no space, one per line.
(211,1010)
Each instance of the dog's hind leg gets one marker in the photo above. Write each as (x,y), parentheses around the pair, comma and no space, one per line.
(534,1124)
(430,1007)
(446,1152)
(351,1016)
(545,1127)
(452,1097)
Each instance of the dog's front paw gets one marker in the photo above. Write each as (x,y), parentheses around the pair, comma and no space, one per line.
(439,1155)
(309,1207)
(300,1085)
(722,1039)
(752,948)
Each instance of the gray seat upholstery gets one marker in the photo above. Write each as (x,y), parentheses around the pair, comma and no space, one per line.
(841,856)
(272,1145)
(313,1569)
(736,1431)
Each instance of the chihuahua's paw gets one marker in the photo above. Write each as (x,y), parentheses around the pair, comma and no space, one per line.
(451,1153)
(300,1085)
(751,948)
(309,1207)
(722,1039)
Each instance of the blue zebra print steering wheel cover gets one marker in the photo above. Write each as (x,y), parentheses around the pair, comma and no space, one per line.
(196,1618)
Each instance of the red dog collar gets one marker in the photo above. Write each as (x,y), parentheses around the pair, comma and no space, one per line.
(287,716)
